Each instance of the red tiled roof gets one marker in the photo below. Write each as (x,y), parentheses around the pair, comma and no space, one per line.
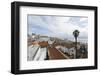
(43,43)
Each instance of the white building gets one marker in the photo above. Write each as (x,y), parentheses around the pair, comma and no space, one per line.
(71,51)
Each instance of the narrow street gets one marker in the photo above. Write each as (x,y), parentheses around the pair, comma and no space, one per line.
(53,54)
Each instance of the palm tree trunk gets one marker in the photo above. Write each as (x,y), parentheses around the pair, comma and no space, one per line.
(76,46)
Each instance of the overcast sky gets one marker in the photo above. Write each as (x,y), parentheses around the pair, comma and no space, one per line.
(58,26)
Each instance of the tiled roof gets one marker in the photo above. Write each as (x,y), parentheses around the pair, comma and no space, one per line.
(43,43)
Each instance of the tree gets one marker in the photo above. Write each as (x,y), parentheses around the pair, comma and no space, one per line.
(76,34)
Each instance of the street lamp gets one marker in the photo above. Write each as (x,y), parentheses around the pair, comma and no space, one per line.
(76,34)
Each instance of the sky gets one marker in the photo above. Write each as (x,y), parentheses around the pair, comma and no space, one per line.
(58,26)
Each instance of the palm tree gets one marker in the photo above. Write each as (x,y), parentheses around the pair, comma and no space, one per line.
(76,34)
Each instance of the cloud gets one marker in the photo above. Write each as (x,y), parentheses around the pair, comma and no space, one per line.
(58,26)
